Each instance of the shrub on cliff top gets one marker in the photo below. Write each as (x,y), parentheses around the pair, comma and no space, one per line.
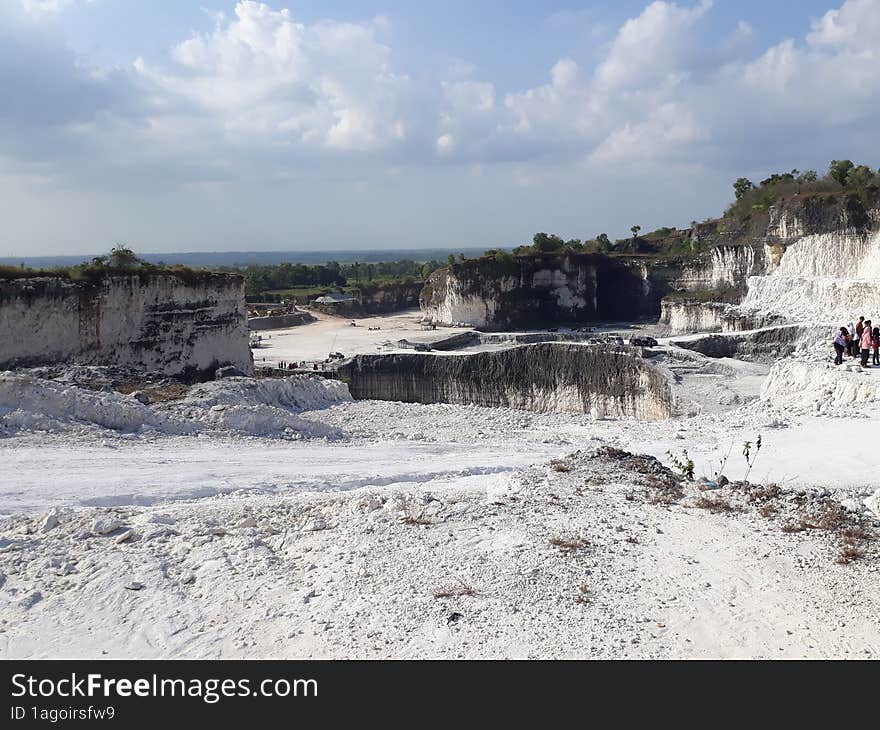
(843,177)
(121,261)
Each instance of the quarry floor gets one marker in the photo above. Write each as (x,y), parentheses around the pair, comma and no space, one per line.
(315,340)
(439,531)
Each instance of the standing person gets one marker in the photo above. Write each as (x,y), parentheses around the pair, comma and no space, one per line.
(851,350)
(875,343)
(841,345)
(865,343)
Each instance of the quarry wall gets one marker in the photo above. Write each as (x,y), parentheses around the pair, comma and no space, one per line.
(829,278)
(764,345)
(557,377)
(535,291)
(390,297)
(155,322)
(813,258)
(279,321)
(680,316)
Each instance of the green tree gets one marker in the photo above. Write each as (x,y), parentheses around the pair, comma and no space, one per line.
(426,271)
(777,178)
(547,243)
(604,242)
(839,170)
(742,186)
(450,259)
(635,230)
(122,257)
(859,177)
(809,176)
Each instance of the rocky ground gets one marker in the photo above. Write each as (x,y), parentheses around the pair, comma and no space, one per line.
(280,519)
(600,554)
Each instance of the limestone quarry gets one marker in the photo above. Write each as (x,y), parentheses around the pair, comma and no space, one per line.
(589,456)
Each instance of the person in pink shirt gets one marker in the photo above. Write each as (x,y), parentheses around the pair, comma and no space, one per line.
(866,343)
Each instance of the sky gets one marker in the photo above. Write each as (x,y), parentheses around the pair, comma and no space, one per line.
(353,124)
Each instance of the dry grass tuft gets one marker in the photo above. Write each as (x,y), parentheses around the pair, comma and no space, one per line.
(855,534)
(794,527)
(768,510)
(662,498)
(156,394)
(415,520)
(716,506)
(849,553)
(830,518)
(763,493)
(584,594)
(568,544)
(559,465)
(662,490)
(454,591)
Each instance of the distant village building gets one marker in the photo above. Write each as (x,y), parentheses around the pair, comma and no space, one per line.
(335,298)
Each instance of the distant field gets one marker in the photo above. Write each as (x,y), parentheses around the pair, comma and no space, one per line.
(304,292)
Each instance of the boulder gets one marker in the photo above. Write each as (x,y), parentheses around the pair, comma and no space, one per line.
(50,521)
(873,503)
(316,524)
(230,371)
(105,525)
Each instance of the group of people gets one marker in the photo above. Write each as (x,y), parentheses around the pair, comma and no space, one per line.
(858,340)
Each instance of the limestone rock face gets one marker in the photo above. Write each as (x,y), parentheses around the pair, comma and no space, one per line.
(539,290)
(558,377)
(682,316)
(156,322)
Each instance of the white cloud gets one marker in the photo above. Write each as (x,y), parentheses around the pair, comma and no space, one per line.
(661,93)
(855,25)
(264,76)
(563,103)
(629,105)
(264,124)
(445,143)
(653,48)
(44,8)
(263,92)
(669,126)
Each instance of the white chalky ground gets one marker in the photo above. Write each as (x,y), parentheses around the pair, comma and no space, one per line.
(259,531)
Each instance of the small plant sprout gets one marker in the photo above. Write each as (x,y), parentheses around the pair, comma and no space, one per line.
(750,453)
(684,464)
(723,464)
